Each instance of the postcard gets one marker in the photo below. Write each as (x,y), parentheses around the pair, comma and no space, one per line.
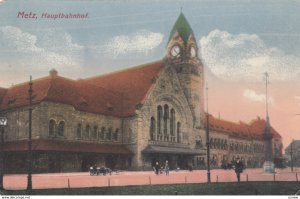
(158,97)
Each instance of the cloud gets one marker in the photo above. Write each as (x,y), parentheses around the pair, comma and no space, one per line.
(39,52)
(251,95)
(246,57)
(142,41)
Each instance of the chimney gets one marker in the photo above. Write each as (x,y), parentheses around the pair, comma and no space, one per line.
(53,73)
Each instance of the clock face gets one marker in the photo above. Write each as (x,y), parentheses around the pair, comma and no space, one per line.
(193,52)
(175,51)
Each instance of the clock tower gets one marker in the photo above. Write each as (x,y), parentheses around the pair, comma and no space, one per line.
(182,55)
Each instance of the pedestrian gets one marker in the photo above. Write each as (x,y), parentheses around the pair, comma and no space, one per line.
(167,168)
(239,167)
(156,168)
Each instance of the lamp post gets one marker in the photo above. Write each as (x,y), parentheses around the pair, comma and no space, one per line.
(207,139)
(29,155)
(3,122)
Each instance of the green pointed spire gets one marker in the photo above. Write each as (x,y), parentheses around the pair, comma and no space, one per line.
(182,27)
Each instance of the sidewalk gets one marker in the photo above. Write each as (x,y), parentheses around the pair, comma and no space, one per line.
(126,178)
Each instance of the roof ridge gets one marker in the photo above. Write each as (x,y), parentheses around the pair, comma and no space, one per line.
(40,79)
(232,122)
(125,69)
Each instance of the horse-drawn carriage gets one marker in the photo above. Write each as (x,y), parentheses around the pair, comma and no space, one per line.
(95,171)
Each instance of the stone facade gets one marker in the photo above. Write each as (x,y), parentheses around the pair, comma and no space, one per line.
(44,112)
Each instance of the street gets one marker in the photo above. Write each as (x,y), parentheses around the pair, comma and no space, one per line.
(125,178)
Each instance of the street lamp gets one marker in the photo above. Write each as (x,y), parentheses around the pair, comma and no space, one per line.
(3,122)
(29,157)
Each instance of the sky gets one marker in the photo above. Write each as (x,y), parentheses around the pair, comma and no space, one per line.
(239,41)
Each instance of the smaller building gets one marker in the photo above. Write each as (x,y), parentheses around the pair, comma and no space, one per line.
(292,151)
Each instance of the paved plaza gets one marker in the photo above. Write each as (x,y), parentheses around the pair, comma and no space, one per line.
(126,178)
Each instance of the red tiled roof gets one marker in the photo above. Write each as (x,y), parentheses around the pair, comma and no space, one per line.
(257,126)
(254,129)
(116,94)
(134,83)
(82,96)
(17,96)
(66,146)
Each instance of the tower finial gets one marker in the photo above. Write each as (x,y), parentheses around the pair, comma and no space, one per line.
(181,9)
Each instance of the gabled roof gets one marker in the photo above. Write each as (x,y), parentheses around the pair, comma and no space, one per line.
(254,129)
(116,94)
(182,27)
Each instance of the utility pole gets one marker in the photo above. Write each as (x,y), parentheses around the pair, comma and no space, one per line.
(29,156)
(207,138)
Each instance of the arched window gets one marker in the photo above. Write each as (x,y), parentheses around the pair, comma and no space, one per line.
(52,125)
(109,132)
(116,134)
(178,132)
(78,133)
(215,143)
(61,128)
(221,144)
(102,133)
(199,143)
(87,131)
(152,128)
(218,143)
(159,119)
(231,147)
(236,147)
(95,132)
(172,122)
(166,118)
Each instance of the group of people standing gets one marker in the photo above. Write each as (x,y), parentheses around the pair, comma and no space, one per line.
(160,168)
